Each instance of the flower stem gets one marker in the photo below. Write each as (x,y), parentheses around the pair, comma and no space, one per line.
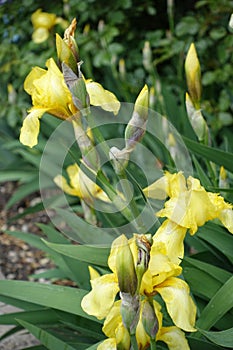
(134,345)
(153,344)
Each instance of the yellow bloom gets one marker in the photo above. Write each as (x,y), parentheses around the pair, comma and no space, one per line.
(42,22)
(119,336)
(80,185)
(158,278)
(190,205)
(50,94)
(161,278)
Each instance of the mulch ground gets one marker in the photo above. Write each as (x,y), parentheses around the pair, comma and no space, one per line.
(19,260)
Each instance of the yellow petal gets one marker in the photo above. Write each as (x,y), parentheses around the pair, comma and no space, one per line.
(102,296)
(108,344)
(48,90)
(226,217)
(101,97)
(172,235)
(43,19)
(93,273)
(180,306)
(31,127)
(61,182)
(40,35)
(158,189)
(114,328)
(160,268)
(174,338)
(112,320)
(35,74)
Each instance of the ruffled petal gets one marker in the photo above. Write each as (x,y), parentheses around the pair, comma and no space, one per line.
(226,217)
(172,235)
(101,97)
(174,338)
(180,306)
(31,127)
(102,296)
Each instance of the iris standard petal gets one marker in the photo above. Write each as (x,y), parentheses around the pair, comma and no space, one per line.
(160,268)
(172,235)
(180,306)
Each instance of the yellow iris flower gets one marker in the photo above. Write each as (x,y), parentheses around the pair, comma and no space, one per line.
(160,277)
(80,185)
(118,336)
(50,94)
(42,23)
(190,205)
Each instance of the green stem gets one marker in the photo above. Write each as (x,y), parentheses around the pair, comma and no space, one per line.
(134,345)
(153,344)
(132,209)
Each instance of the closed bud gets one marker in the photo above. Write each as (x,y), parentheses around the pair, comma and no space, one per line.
(197,121)
(149,319)
(193,76)
(136,127)
(223,180)
(126,274)
(122,70)
(147,56)
(130,311)
(67,50)
(77,87)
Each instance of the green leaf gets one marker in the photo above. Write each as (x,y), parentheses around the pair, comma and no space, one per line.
(48,340)
(216,272)
(215,155)
(223,338)
(208,286)
(53,296)
(220,304)
(82,231)
(200,344)
(37,316)
(218,237)
(96,255)
(12,175)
